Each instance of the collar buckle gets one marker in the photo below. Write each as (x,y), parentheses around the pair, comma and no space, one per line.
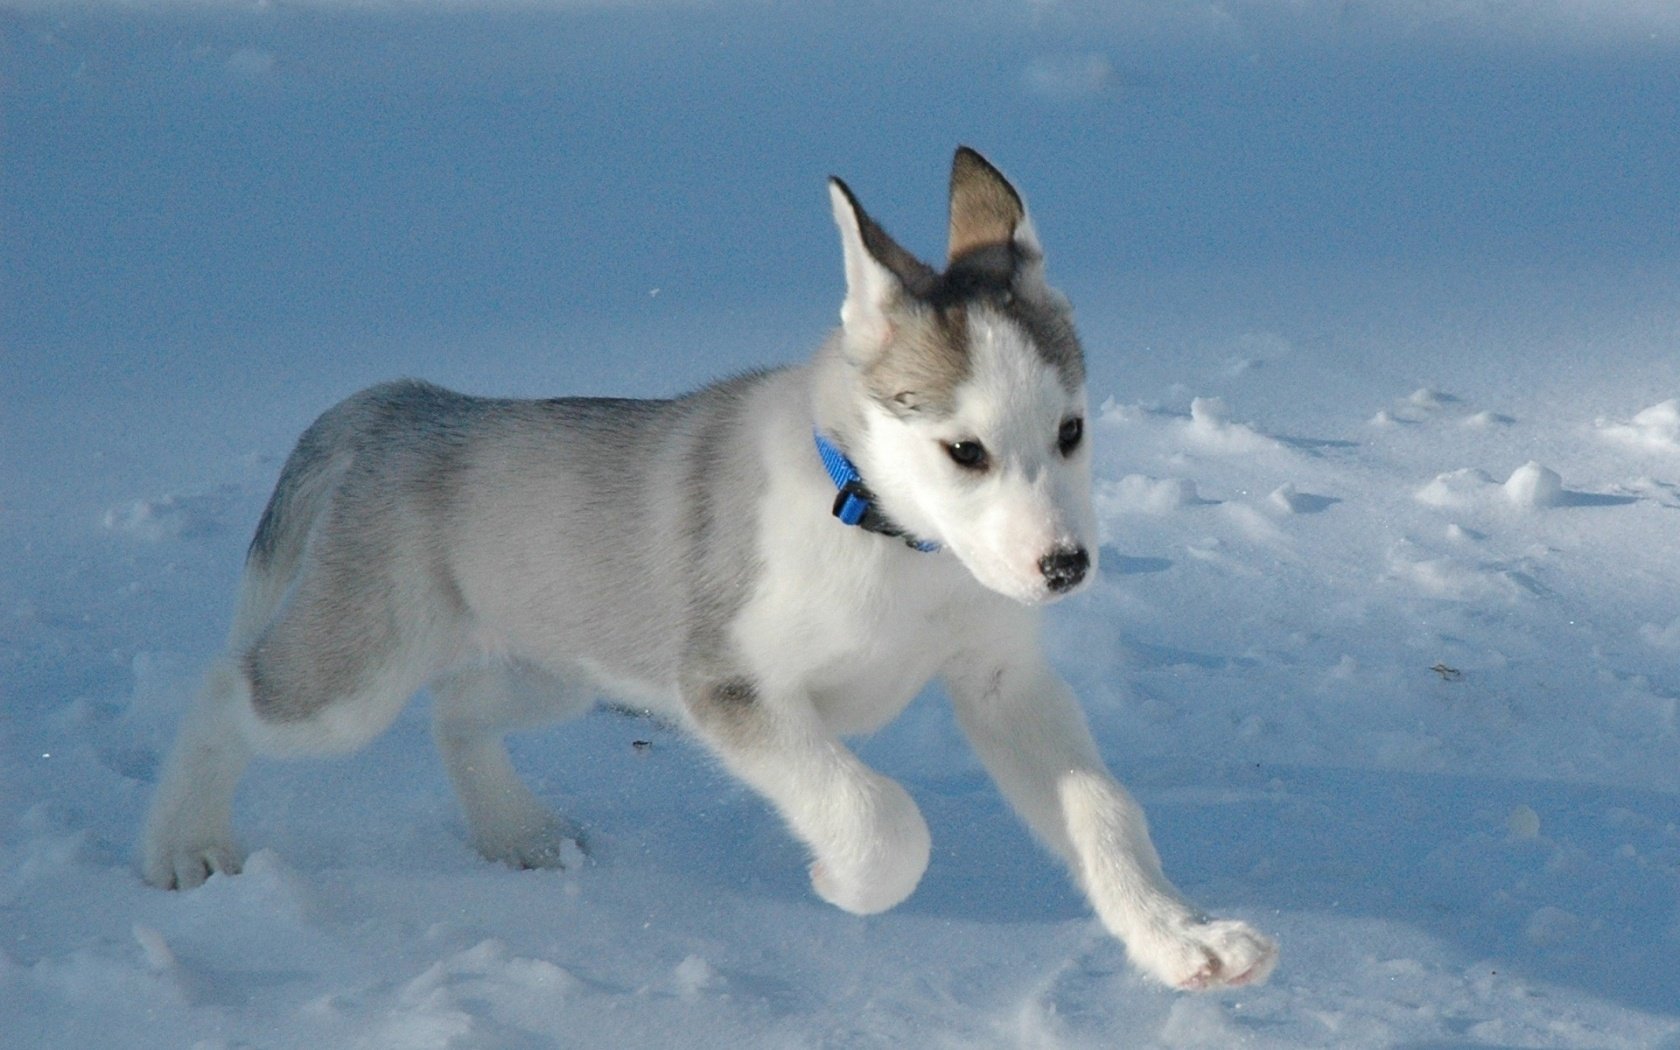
(851,503)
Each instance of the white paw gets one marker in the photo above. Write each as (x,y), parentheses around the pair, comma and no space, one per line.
(548,842)
(886,862)
(170,866)
(1200,955)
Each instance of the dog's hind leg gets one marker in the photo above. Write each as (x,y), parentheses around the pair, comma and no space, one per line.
(474,707)
(189,829)
(188,834)
(333,669)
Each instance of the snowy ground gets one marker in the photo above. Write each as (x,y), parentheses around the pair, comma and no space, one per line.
(1383,311)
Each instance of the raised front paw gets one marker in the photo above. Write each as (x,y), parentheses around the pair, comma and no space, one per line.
(880,864)
(1203,954)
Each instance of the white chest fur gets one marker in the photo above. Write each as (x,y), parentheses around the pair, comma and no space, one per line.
(856,621)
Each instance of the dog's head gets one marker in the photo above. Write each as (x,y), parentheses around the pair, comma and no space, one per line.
(973,387)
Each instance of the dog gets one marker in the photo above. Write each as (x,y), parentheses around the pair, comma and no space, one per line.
(775,561)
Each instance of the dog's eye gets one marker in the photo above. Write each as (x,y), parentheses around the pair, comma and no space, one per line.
(969,455)
(1069,436)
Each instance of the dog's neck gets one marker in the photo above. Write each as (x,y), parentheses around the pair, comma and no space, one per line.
(854,503)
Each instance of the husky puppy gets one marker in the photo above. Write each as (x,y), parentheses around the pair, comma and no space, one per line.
(775,562)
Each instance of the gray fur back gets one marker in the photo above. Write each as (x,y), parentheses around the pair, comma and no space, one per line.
(616,533)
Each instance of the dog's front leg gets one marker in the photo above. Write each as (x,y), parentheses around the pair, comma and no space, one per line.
(1030,733)
(869,840)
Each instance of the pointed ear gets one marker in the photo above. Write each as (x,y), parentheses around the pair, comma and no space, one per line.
(879,274)
(986,212)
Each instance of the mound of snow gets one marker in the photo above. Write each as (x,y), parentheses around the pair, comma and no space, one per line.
(1421,404)
(1211,427)
(693,976)
(476,992)
(1485,419)
(1428,405)
(1534,486)
(1457,488)
(1429,399)
(1449,578)
(171,517)
(1139,493)
(1291,500)
(1656,427)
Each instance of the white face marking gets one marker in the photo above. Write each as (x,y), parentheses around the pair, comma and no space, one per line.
(1031,501)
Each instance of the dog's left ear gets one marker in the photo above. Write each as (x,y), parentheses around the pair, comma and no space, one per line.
(988,217)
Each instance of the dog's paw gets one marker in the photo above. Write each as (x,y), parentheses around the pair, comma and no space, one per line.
(887,862)
(1205,954)
(182,867)
(546,843)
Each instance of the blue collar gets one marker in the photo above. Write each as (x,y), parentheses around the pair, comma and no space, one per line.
(855,504)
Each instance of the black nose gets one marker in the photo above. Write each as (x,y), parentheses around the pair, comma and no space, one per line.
(1063,569)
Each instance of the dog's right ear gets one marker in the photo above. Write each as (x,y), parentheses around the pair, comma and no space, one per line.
(881,277)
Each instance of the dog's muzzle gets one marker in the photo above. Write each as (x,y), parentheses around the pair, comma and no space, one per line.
(1063,569)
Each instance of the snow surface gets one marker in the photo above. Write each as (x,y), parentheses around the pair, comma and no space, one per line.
(1383,310)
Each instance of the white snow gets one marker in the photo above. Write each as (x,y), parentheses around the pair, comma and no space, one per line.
(1657,427)
(1212,428)
(1379,306)
(1534,486)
